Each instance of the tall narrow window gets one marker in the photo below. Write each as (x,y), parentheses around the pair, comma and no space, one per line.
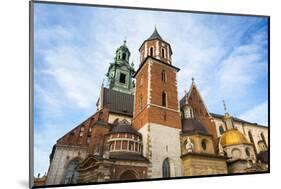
(164,76)
(164,99)
(122,78)
(252,141)
(163,53)
(123,56)
(140,103)
(221,130)
(151,51)
(71,174)
(166,168)
(263,139)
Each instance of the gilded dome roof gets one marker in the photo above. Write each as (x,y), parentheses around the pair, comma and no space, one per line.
(233,137)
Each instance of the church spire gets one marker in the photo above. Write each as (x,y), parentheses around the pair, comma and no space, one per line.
(155,47)
(227,118)
(224,107)
(155,35)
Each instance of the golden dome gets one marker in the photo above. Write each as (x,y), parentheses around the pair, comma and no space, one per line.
(233,137)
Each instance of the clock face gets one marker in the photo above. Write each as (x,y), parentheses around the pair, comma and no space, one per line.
(236,153)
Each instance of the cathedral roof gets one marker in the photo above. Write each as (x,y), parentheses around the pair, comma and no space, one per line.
(183,100)
(118,102)
(215,115)
(192,125)
(155,35)
(123,127)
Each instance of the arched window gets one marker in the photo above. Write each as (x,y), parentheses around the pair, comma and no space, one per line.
(151,51)
(164,76)
(252,140)
(221,130)
(248,152)
(71,174)
(236,153)
(163,53)
(124,56)
(164,99)
(166,168)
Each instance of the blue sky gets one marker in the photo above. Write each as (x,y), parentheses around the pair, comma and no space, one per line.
(227,56)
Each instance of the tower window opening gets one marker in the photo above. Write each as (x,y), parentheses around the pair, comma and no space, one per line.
(122,78)
(151,51)
(163,53)
(124,56)
(164,99)
(164,76)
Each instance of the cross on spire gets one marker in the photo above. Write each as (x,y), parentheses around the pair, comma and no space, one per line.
(224,106)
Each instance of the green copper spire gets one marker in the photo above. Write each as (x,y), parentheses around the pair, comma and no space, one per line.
(119,75)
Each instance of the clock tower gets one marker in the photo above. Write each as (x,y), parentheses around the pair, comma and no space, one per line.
(119,75)
(156,107)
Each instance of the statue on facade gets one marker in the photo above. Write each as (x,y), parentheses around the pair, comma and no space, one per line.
(189,145)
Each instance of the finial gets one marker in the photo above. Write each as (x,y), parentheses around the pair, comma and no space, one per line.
(125,40)
(192,79)
(224,106)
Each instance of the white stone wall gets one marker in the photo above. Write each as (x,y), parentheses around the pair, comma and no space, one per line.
(256,133)
(62,156)
(242,148)
(165,143)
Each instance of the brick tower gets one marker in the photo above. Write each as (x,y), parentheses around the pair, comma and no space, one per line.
(156,107)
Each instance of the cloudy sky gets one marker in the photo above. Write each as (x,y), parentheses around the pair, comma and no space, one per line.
(227,56)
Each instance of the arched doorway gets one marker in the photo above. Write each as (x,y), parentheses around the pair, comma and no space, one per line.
(166,168)
(128,175)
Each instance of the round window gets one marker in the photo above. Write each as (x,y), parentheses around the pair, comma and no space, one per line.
(248,152)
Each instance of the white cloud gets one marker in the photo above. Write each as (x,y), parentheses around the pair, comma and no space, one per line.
(257,114)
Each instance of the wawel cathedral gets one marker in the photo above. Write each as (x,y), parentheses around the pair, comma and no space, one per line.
(143,130)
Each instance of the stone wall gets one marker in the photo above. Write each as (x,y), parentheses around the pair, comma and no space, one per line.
(195,165)
(162,142)
(62,156)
